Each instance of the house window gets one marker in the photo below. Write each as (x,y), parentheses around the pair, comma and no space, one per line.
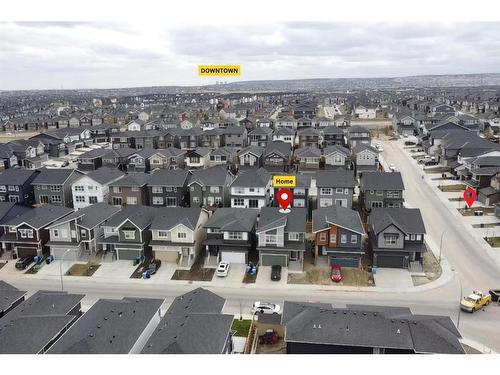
(80,198)
(162,234)
(346,191)
(391,239)
(117,201)
(412,237)
(354,238)
(13,198)
(79,188)
(238,202)
(157,189)
(2,189)
(55,199)
(333,238)
(235,235)
(11,188)
(135,188)
(93,200)
(380,192)
(372,192)
(158,200)
(55,188)
(131,200)
(55,233)
(293,236)
(214,189)
(326,191)
(322,236)
(419,237)
(44,199)
(270,238)
(181,235)
(218,200)
(129,234)
(117,189)
(253,203)
(339,190)
(26,233)
(239,190)
(377,204)
(196,199)
(343,238)
(171,201)
(168,189)
(83,233)
(12,229)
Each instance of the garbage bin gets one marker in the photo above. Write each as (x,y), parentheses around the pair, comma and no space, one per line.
(137,260)
(369,268)
(374,270)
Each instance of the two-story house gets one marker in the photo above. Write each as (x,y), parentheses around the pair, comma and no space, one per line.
(356,135)
(168,188)
(281,238)
(309,137)
(397,237)
(285,135)
(335,187)
(77,235)
(131,189)
(251,156)
(300,192)
(226,155)
(168,158)
(126,234)
(338,235)
(209,187)
(251,189)
(235,136)
(15,186)
(260,136)
(93,187)
(230,236)
(332,136)
(53,186)
(381,189)
(139,161)
(91,160)
(177,235)
(198,158)
(277,156)
(27,235)
(307,158)
(365,158)
(336,157)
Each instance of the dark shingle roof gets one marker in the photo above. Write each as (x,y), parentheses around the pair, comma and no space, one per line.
(52,176)
(271,218)
(141,216)
(105,175)
(233,219)
(166,177)
(15,176)
(335,178)
(40,217)
(343,217)
(409,220)
(381,181)
(251,178)
(215,176)
(90,216)
(169,217)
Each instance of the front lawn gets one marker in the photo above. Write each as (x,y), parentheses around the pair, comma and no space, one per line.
(493,241)
(470,211)
(2,264)
(242,327)
(454,188)
(85,269)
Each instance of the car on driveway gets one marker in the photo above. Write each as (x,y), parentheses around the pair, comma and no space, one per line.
(475,301)
(265,308)
(222,269)
(336,273)
(22,263)
(276,273)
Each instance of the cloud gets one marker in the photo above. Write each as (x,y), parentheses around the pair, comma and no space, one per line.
(98,54)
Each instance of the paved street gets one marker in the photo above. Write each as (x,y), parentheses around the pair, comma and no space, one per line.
(474,268)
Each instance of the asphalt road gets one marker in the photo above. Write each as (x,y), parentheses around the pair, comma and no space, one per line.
(474,270)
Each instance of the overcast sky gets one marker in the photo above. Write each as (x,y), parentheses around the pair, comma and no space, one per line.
(101,55)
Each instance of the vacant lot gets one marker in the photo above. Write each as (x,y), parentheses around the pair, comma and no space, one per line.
(85,269)
(470,211)
(454,188)
(432,270)
(493,241)
(321,276)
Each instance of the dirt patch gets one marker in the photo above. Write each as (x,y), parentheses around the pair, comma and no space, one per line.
(493,241)
(472,210)
(432,270)
(196,273)
(276,348)
(2,264)
(85,269)
(321,276)
(454,188)
(436,170)
(250,279)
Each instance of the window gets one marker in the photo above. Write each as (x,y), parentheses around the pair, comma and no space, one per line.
(171,201)
(11,188)
(55,199)
(343,238)
(326,191)
(117,189)
(253,203)
(158,201)
(181,235)
(2,189)
(13,198)
(79,188)
(346,191)
(157,189)
(162,234)
(322,236)
(80,198)
(372,192)
(55,188)
(26,233)
(235,235)
(218,200)
(131,200)
(93,200)
(339,190)
(129,234)
(419,237)
(239,190)
(380,192)
(377,204)
(44,199)
(135,188)
(333,238)
(412,237)
(55,233)
(83,233)
(391,239)
(393,194)
(168,189)
(214,189)
(354,238)
(196,199)
(270,238)
(293,236)
(238,202)
(12,229)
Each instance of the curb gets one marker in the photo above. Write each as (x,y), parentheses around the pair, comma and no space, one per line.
(477,345)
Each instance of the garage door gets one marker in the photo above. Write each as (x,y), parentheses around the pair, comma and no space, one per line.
(24,252)
(390,261)
(273,260)
(128,254)
(58,253)
(345,261)
(167,256)
(234,257)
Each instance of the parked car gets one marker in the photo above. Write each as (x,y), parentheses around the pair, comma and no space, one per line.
(276,273)
(430,162)
(22,263)
(495,295)
(265,308)
(222,269)
(336,273)
(475,301)
(392,167)
(153,266)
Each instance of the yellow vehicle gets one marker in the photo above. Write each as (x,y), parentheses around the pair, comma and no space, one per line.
(475,301)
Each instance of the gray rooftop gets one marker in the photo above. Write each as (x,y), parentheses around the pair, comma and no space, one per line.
(409,220)
(105,175)
(15,176)
(91,216)
(40,217)
(343,217)
(381,181)
(215,176)
(141,216)
(252,178)
(272,218)
(167,177)
(168,217)
(132,179)
(233,219)
(53,176)
(335,178)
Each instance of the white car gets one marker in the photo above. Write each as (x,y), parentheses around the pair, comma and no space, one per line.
(265,308)
(222,269)
(392,168)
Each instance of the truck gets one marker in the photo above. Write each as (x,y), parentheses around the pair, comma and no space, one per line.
(475,301)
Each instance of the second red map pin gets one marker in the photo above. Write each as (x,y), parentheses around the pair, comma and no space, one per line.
(469,196)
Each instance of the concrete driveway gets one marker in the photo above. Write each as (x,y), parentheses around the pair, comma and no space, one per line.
(264,277)
(392,278)
(234,276)
(120,269)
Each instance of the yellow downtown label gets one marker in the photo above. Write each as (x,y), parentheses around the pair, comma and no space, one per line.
(219,70)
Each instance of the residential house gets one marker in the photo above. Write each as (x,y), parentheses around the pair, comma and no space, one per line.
(286,135)
(30,153)
(309,137)
(332,136)
(224,156)
(300,192)
(169,158)
(91,160)
(93,187)
(27,235)
(15,186)
(209,187)
(230,236)
(307,158)
(77,235)
(7,158)
(365,158)
(339,235)
(404,124)
(213,138)
(251,156)
(11,297)
(397,238)
(168,188)
(189,139)
(281,238)
(118,158)
(235,136)
(335,187)
(198,158)
(251,189)
(260,136)
(356,135)
(337,157)
(53,186)
(139,161)
(381,189)
(177,235)
(365,113)
(131,189)
(277,156)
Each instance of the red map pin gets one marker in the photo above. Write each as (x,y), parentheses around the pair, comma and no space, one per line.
(469,196)
(284,198)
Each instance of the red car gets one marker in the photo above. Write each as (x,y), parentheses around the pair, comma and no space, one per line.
(336,274)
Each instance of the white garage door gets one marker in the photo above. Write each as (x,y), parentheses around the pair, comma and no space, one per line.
(233,257)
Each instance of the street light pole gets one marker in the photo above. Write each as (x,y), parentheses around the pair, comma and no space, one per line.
(441,246)
(60,268)
(460,299)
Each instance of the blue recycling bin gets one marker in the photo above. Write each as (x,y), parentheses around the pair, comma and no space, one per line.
(374,270)
(36,259)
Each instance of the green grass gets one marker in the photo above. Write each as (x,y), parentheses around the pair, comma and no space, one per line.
(493,241)
(455,188)
(242,327)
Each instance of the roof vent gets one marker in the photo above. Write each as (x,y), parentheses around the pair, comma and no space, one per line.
(105,318)
(347,328)
(364,314)
(398,331)
(345,312)
(374,314)
(392,320)
(91,335)
(319,326)
(415,322)
(354,312)
(120,314)
(98,326)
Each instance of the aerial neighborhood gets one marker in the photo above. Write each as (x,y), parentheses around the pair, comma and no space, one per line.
(164,187)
